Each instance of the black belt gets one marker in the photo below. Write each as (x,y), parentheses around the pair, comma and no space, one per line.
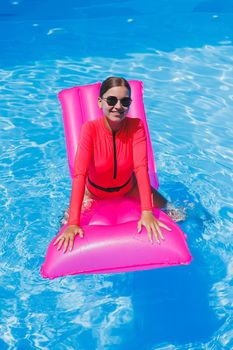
(109,189)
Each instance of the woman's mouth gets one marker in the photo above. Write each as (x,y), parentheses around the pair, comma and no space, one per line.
(117,114)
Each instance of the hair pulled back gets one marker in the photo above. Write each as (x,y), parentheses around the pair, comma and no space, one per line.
(111,82)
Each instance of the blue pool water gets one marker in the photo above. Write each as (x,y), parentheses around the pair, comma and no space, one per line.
(182,50)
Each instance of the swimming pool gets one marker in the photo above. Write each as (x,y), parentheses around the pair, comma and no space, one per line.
(182,51)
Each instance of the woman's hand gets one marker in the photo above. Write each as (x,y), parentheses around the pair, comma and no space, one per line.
(152,225)
(67,237)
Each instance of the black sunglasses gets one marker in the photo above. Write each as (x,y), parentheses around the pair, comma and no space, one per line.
(112,101)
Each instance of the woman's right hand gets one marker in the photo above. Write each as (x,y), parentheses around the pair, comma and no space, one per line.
(67,237)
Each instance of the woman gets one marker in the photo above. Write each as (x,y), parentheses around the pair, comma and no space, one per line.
(112,161)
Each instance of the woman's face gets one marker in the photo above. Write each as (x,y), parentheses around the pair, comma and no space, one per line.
(118,112)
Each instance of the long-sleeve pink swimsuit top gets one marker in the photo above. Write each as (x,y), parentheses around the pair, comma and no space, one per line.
(105,162)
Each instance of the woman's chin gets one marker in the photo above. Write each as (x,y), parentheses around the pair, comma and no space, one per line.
(116,117)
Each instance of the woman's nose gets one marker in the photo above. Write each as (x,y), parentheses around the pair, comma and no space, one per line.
(118,104)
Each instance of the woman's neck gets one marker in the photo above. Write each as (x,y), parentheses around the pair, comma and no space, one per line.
(111,125)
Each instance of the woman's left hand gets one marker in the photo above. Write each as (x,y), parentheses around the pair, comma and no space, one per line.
(152,225)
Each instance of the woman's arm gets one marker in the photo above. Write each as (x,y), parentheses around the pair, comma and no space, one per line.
(140,161)
(81,167)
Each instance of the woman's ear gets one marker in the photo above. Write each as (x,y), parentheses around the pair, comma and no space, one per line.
(99,102)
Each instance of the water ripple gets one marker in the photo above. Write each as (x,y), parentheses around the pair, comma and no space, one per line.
(189,107)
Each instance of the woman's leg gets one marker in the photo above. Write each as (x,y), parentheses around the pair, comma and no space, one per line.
(177,214)
(158,200)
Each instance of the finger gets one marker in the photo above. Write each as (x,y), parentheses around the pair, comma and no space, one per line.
(161,236)
(60,243)
(65,245)
(155,229)
(81,233)
(139,226)
(56,241)
(161,224)
(149,233)
(71,243)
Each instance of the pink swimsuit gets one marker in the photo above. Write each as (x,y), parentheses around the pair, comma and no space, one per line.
(105,162)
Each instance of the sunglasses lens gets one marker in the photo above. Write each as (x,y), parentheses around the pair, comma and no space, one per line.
(111,100)
(126,101)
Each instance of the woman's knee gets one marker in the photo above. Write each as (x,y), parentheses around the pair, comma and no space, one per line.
(158,200)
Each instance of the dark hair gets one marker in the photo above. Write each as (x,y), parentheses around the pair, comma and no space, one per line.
(113,82)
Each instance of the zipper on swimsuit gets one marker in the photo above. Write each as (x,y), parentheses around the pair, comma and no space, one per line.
(114,150)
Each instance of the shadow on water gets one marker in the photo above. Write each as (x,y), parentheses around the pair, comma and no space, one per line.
(172,305)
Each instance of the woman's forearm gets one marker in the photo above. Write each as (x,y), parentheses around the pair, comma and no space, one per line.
(76,199)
